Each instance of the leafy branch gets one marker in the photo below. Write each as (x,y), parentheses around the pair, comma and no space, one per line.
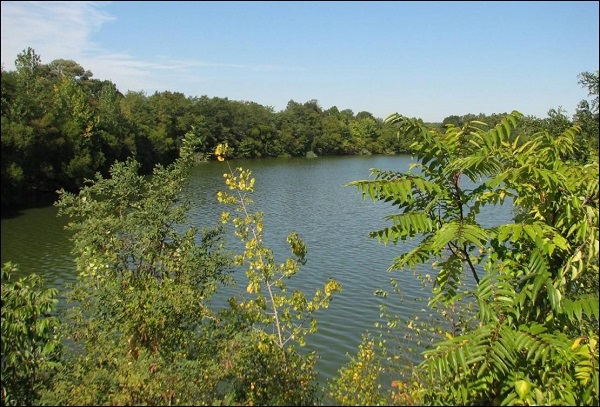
(287,313)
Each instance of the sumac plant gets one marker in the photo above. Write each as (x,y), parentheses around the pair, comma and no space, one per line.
(533,335)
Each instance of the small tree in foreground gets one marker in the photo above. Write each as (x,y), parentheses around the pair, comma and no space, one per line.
(533,282)
(279,318)
(141,305)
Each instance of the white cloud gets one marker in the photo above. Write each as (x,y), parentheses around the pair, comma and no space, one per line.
(60,29)
(63,30)
(53,29)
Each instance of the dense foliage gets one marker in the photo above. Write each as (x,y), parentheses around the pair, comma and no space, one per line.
(31,344)
(141,304)
(533,335)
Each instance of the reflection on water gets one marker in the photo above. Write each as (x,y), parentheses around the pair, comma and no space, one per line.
(302,195)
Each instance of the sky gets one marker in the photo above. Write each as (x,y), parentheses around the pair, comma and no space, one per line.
(428,60)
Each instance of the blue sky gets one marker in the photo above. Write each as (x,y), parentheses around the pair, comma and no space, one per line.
(421,59)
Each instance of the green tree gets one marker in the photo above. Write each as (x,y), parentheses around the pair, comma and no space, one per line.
(81,150)
(586,115)
(591,80)
(115,133)
(29,134)
(31,344)
(534,336)
(68,68)
(364,132)
(50,137)
(299,125)
(149,145)
(142,300)
(334,138)
(588,138)
(29,70)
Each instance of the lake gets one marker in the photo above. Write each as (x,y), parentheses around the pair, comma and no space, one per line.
(303,195)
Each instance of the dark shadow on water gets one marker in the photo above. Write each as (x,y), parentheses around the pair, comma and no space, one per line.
(32,201)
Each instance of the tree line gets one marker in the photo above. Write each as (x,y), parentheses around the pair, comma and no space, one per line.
(60,126)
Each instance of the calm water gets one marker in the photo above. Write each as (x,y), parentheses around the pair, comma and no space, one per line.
(302,195)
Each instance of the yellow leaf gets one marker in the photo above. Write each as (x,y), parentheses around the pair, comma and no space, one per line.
(522,387)
(576,343)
